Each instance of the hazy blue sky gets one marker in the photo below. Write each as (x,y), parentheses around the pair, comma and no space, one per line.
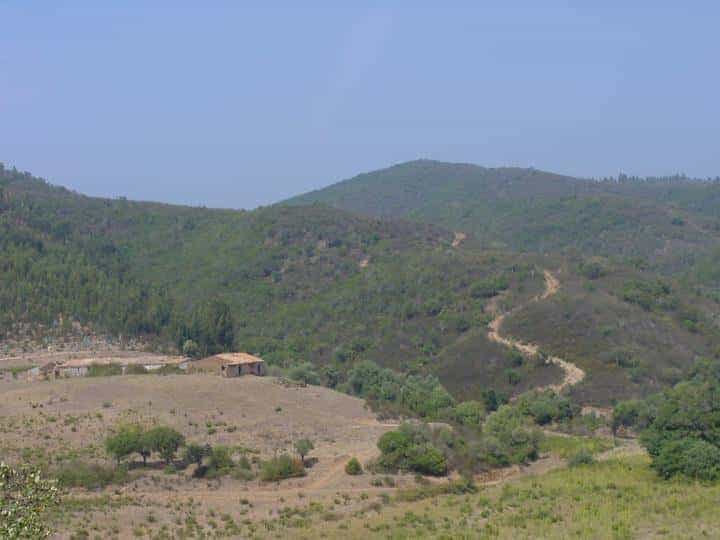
(238,104)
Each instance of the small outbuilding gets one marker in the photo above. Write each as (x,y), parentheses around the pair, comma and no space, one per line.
(238,364)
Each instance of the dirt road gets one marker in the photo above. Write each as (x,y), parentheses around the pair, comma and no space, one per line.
(572,374)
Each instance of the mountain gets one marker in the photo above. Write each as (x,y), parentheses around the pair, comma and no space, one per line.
(532,210)
(312,283)
(301,284)
(637,257)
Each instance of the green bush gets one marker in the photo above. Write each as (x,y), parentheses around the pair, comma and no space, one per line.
(90,476)
(410,448)
(508,438)
(353,467)
(693,458)
(469,413)
(581,457)
(281,467)
(304,372)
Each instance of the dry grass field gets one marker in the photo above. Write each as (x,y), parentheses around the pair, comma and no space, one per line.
(54,423)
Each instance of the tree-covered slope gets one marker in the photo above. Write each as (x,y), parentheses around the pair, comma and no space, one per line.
(532,210)
(301,283)
(312,283)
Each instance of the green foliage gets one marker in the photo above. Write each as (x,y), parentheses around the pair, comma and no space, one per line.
(132,438)
(423,396)
(304,372)
(164,440)
(25,498)
(194,453)
(646,294)
(489,287)
(683,434)
(191,349)
(548,406)
(280,468)
(220,462)
(508,437)
(693,458)
(90,475)
(410,449)
(127,440)
(353,467)
(582,457)
(469,413)
(303,447)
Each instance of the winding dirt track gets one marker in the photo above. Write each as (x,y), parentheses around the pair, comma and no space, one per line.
(572,373)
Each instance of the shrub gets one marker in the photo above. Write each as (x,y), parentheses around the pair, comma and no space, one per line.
(25,497)
(304,372)
(353,467)
(410,448)
(507,437)
(281,467)
(469,413)
(220,462)
(693,458)
(194,453)
(90,476)
(581,457)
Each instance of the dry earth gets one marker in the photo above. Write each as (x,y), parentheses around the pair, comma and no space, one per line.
(69,418)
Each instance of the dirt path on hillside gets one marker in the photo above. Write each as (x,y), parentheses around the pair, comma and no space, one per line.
(571,373)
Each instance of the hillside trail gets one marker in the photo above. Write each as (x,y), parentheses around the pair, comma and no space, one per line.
(572,374)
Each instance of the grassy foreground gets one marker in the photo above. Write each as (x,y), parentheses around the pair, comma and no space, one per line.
(617,499)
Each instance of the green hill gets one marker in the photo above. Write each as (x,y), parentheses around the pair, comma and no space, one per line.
(301,283)
(312,283)
(613,240)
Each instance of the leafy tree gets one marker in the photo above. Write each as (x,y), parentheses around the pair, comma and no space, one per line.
(126,441)
(165,441)
(25,496)
(303,447)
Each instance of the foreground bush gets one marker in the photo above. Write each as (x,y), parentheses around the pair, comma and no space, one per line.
(281,467)
(25,496)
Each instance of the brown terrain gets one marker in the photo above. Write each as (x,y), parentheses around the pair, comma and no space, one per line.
(57,421)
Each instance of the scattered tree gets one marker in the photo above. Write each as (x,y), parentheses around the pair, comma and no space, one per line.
(303,447)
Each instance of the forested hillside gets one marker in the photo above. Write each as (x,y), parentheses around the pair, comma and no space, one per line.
(292,284)
(312,283)
(637,257)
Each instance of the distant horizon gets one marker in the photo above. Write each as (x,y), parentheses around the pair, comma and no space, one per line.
(9,165)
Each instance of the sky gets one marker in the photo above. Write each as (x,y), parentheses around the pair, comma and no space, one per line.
(240,104)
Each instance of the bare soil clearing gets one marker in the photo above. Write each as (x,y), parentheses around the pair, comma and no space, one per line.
(572,373)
